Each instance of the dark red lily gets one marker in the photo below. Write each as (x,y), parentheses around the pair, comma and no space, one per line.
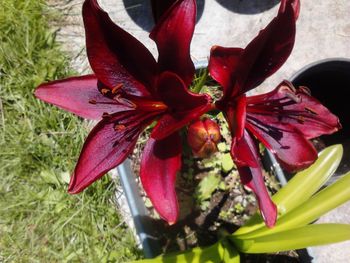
(159,7)
(283,120)
(130,90)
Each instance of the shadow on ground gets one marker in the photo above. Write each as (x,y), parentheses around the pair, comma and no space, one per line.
(141,13)
(248,6)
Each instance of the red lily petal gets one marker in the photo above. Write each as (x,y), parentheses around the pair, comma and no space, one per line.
(115,56)
(159,7)
(236,116)
(241,153)
(292,150)
(252,177)
(268,51)
(78,95)
(175,94)
(184,105)
(294,3)
(239,71)
(161,160)
(222,65)
(169,123)
(107,145)
(285,104)
(173,35)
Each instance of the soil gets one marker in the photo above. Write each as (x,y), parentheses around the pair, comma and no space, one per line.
(202,220)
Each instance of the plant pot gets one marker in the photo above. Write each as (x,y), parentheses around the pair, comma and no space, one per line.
(140,12)
(248,7)
(329,82)
(146,227)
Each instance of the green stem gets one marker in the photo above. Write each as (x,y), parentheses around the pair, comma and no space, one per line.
(201,81)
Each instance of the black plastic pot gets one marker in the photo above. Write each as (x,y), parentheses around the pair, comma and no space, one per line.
(329,82)
(146,228)
(248,6)
(140,12)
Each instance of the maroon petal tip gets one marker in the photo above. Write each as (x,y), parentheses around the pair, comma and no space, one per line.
(72,187)
(161,160)
(108,144)
(173,34)
(115,55)
(253,179)
(271,217)
(76,95)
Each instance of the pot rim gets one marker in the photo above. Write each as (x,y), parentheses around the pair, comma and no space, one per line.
(317,63)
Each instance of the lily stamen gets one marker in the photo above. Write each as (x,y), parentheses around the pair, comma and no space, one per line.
(105,91)
(105,115)
(117,87)
(293,97)
(125,101)
(301,119)
(309,110)
(119,127)
(92,101)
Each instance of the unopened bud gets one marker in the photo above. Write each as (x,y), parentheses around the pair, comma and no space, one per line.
(203,135)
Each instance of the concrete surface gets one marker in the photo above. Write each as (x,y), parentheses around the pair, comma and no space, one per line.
(323,28)
(323,31)
(334,253)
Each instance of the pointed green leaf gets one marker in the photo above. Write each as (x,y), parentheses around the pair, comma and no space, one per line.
(213,254)
(222,251)
(230,255)
(306,236)
(301,187)
(305,183)
(321,203)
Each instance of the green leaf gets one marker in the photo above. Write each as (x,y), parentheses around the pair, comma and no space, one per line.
(213,254)
(224,130)
(305,183)
(306,236)
(226,162)
(321,203)
(222,251)
(222,147)
(200,81)
(230,254)
(210,162)
(301,187)
(207,186)
(222,186)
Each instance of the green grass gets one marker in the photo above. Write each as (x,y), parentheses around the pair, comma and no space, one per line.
(39,144)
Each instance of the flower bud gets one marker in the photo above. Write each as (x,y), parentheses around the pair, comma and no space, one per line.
(203,135)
